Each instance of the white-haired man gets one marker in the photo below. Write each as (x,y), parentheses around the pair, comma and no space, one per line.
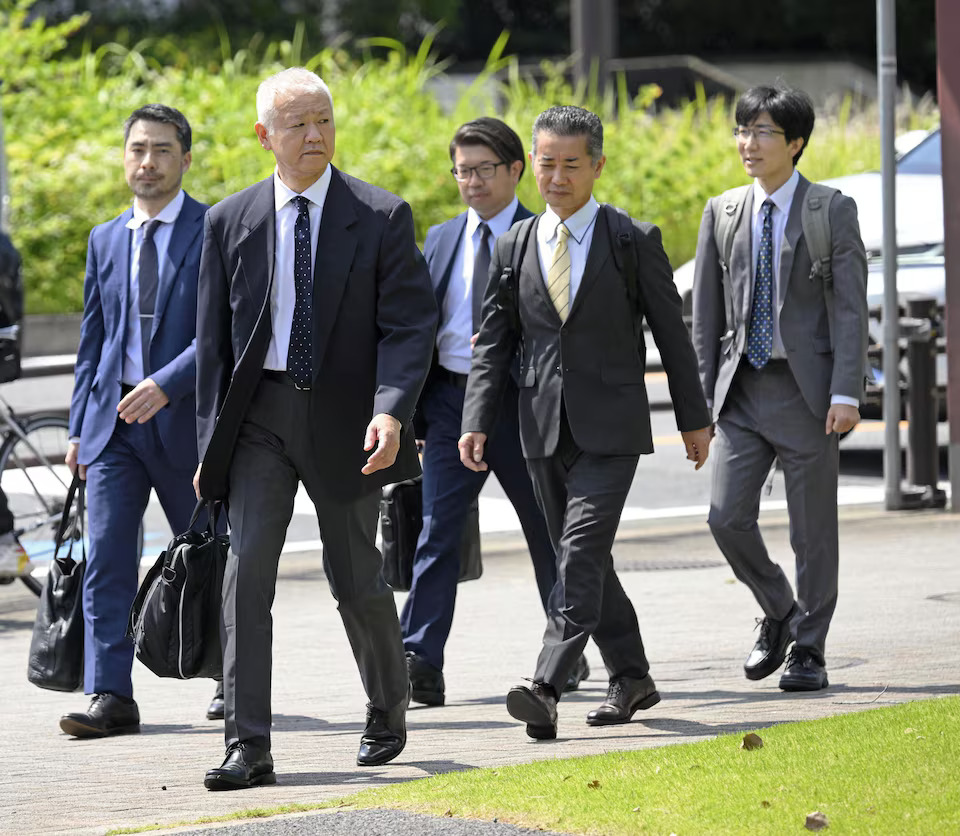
(314,338)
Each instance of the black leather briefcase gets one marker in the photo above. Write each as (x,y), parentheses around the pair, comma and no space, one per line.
(401,519)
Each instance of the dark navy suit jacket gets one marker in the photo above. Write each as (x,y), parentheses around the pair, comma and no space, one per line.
(103,335)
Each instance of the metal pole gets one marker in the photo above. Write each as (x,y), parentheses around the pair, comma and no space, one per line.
(887,82)
(593,36)
(948,97)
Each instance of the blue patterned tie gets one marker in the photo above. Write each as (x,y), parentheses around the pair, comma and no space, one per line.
(300,351)
(760,336)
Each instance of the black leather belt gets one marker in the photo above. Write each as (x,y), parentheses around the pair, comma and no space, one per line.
(454,379)
(284,378)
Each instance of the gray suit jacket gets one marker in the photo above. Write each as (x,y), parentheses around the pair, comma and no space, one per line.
(594,361)
(821,370)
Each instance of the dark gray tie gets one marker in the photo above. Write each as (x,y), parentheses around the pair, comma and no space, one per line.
(481,269)
(149,280)
(300,351)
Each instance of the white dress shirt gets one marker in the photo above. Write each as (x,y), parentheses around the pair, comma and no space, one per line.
(456,316)
(283,296)
(782,200)
(580,225)
(133,348)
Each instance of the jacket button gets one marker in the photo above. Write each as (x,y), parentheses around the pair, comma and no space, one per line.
(557,369)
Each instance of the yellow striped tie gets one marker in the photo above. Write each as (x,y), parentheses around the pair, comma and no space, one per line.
(558,276)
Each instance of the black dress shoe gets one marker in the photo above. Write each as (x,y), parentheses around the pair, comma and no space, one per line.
(215,709)
(537,707)
(625,697)
(577,675)
(425,680)
(771,648)
(108,714)
(385,735)
(245,766)
(806,671)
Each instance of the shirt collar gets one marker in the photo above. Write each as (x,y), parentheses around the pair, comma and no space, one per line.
(498,224)
(316,192)
(577,224)
(782,198)
(166,215)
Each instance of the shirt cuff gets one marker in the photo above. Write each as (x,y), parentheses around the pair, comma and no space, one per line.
(843,399)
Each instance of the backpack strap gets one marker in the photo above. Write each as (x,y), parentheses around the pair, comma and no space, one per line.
(508,285)
(726,217)
(815,221)
(623,247)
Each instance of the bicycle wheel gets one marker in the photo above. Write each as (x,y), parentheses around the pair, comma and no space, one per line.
(35,479)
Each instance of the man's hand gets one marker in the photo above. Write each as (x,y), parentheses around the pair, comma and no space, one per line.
(841,418)
(143,402)
(71,460)
(471,451)
(697,443)
(196,481)
(383,432)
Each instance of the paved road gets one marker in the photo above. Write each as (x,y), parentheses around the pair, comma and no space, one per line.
(665,487)
(894,639)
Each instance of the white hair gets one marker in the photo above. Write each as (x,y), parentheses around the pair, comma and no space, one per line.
(284,85)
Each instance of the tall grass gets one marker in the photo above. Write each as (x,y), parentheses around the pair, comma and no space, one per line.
(63,118)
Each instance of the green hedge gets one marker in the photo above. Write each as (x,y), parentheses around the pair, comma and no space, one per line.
(63,120)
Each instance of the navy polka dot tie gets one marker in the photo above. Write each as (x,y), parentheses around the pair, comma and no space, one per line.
(760,336)
(300,351)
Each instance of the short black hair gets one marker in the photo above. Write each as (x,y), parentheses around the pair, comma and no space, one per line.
(164,114)
(570,120)
(791,109)
(498,136)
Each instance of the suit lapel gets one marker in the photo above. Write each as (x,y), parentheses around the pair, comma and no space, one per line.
(531,269)
(185,230)
(596,259)
(336,246)
(742,255)
(256,248)
(447,248)
(791,237)
(120,276)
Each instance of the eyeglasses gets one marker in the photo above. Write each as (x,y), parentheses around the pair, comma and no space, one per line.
(484,171)
(760,133)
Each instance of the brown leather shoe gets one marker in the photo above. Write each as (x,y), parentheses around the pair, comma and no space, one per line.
(625,697)
(537,707)
(245,766)
(108,714)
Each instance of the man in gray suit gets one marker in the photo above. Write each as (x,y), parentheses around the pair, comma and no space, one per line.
(782,350)
(588,278)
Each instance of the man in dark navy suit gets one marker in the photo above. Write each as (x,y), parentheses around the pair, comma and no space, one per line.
(133,412)
(488,161)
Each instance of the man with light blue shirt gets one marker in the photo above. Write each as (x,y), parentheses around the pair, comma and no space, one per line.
(586,281)
(488,162)
(133,410)
(781,335)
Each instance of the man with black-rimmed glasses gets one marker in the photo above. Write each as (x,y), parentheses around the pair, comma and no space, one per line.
(488,161)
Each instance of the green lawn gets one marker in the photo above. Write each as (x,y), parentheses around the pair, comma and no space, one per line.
(891,770)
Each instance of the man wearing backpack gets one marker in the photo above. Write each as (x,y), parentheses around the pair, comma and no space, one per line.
(571,287)
(488,162)
(780,330)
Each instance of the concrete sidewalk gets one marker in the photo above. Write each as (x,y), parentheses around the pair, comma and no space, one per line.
(896,637)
